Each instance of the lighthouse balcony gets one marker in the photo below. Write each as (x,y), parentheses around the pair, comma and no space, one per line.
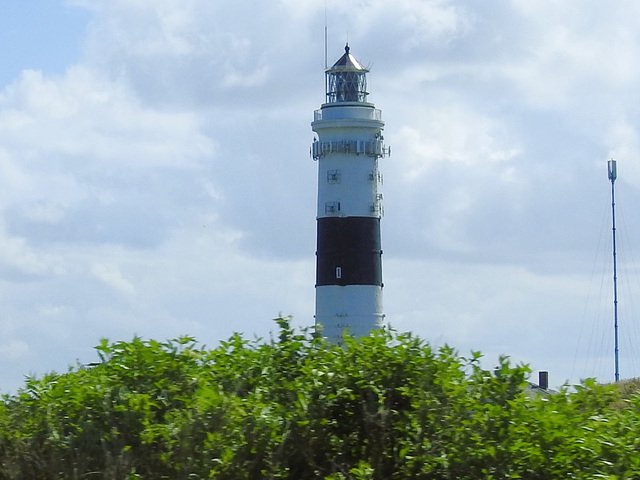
(371,148)
(356,110)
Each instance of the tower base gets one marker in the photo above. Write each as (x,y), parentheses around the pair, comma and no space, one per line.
(333,302)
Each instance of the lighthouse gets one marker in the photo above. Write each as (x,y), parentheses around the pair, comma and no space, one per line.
(348,145)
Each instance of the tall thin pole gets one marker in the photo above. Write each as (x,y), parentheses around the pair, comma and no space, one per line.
(325,36)
(612,176)
(325,47)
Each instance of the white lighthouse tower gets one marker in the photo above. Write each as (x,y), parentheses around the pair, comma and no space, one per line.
(349,256)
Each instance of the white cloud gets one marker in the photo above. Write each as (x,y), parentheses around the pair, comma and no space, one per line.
(431,21)
(571,46)
(249,79)
(110,274)
(454,135)
(17,257)
(87,119)
(14,350)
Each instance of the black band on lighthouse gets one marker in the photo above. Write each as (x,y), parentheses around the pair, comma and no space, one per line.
(349,251)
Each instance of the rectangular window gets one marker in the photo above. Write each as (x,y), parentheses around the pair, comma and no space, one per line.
(334,176)
(338,272)
(332,207)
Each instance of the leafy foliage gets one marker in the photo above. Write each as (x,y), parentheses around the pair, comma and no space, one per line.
(387,406)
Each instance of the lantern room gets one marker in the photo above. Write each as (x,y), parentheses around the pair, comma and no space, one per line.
(347,80)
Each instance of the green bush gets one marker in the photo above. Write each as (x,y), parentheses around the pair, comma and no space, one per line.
(388,406)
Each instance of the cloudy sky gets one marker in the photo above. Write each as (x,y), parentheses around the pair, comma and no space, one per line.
(155,177)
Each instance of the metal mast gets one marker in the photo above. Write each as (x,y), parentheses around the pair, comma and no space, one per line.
(612,176)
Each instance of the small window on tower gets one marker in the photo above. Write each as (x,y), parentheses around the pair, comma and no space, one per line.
(338,272)
(375,176)
(334,176)
(332,207)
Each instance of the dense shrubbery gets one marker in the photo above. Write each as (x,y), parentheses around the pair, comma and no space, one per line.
(385,407)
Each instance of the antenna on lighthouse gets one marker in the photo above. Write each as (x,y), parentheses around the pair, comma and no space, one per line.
(613,174)
(326,63)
